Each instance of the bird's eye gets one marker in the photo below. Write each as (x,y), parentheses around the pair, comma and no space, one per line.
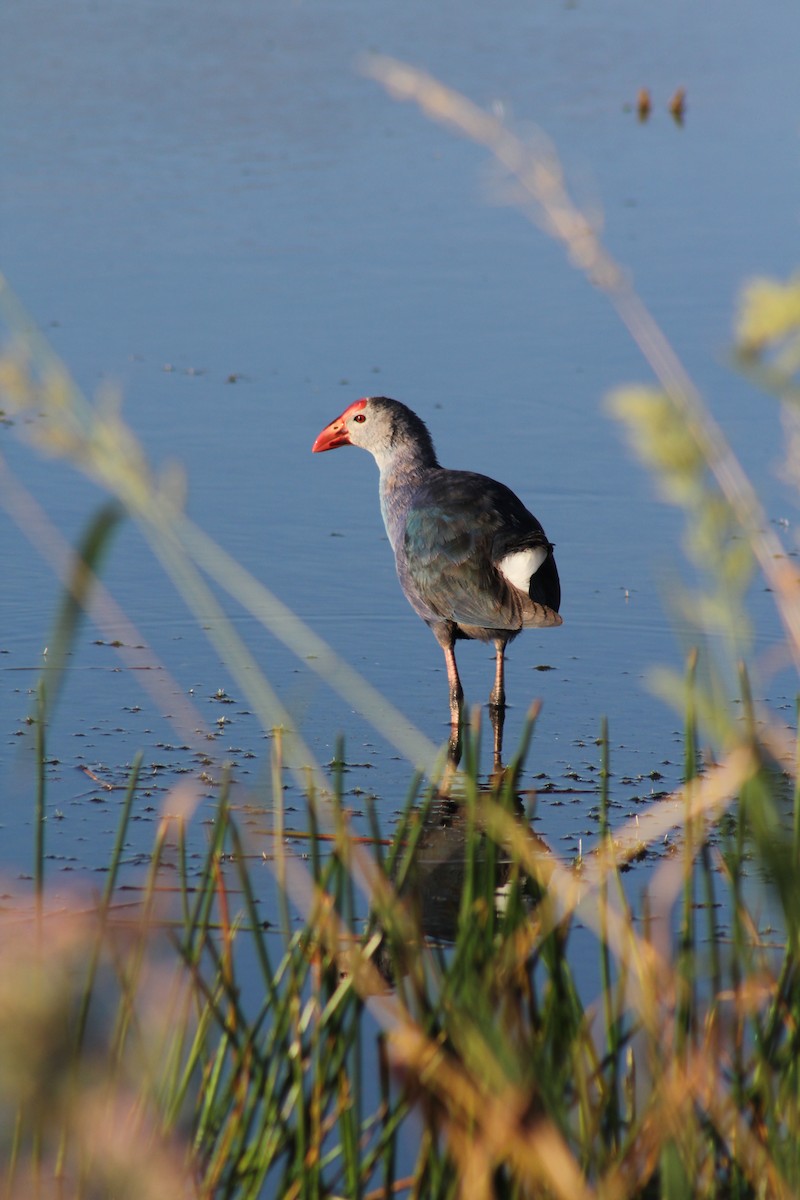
(360,418)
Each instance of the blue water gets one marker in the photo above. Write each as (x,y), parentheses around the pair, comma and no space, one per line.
(211,209)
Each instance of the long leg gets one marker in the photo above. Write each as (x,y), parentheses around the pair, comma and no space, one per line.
(498,716)
(446,640)
(453,681)
(497,699)
(454,747)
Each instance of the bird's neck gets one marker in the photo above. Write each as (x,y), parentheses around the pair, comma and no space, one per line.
(402,473)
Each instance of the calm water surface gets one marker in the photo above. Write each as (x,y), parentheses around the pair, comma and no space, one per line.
(212,210)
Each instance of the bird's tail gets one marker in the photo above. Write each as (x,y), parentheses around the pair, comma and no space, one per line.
(539,616)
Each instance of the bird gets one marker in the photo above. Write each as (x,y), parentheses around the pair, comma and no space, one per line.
(473,562)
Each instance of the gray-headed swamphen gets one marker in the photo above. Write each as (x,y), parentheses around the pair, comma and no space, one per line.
(471,559)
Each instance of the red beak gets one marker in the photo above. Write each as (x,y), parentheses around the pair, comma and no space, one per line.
(333,435)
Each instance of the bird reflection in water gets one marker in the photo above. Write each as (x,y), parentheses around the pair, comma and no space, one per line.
(446,843)
(436,876)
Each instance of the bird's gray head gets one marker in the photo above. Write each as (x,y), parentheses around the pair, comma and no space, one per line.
(384,427)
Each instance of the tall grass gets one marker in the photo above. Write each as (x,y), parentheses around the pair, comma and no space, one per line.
(182,1047)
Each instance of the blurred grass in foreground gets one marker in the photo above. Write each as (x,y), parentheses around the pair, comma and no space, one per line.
(193,1045)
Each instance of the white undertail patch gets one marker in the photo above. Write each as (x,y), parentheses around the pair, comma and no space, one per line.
(521,565)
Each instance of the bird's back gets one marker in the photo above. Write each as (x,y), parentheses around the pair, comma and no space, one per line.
(453,530)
